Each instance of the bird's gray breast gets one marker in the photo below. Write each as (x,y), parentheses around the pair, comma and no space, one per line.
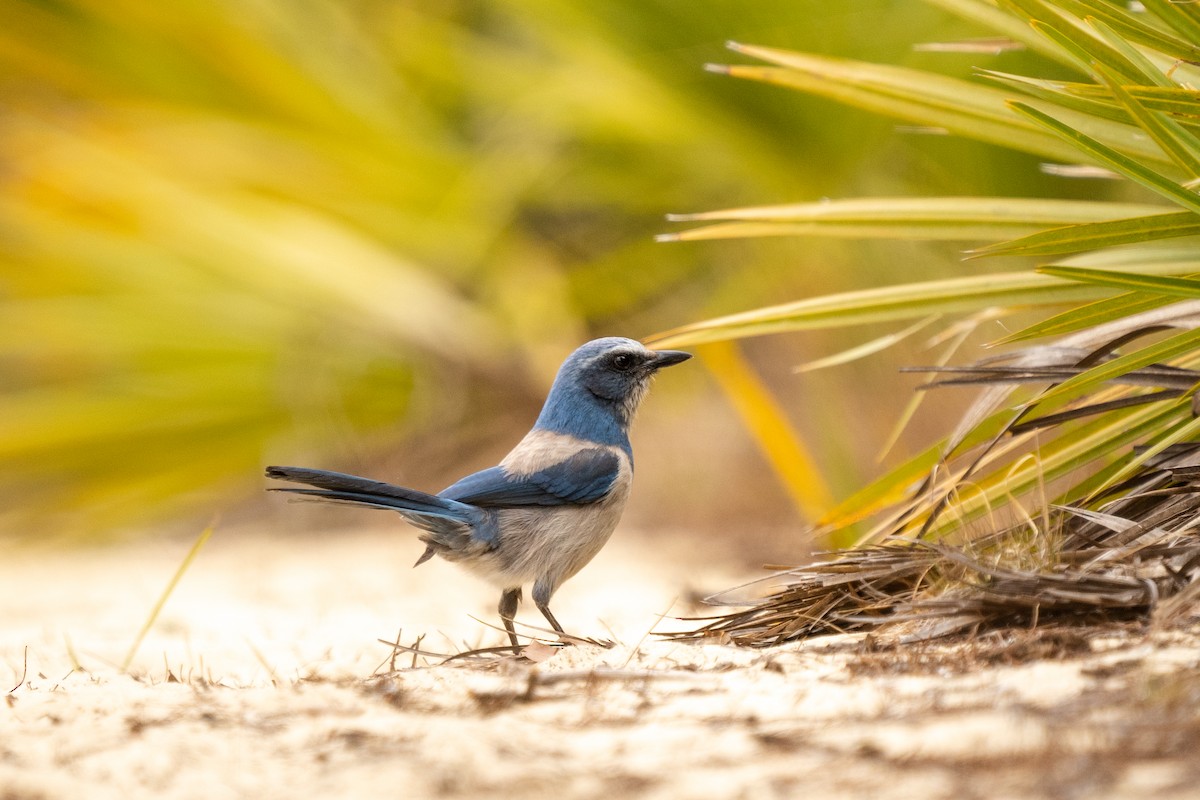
(552,543)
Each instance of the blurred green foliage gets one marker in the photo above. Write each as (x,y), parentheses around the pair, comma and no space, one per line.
(229,229)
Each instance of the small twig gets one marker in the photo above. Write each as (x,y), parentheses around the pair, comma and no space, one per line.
(416,646)
(617,674)
(391,658)
(649,630)
(56,686)
(566,638)
(396,651)
(445,657)
(262,659)
(24,672)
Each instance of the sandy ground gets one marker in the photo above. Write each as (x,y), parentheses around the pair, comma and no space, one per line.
(264,677)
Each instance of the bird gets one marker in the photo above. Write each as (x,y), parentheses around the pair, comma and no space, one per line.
(550,505)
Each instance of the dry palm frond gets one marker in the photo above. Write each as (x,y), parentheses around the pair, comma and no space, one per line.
(1072,360)
(1130,547)
(1138,552)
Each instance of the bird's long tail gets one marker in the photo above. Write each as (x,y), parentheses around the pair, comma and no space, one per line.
(339,487)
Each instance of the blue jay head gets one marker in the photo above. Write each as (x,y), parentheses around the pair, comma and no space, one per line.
(606,377)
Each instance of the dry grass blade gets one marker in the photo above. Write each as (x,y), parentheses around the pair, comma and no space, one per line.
(162,599)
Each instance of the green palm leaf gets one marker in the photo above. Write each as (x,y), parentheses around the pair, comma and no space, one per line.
(1135,118)
(960,107)
(1097,235)
(946,218)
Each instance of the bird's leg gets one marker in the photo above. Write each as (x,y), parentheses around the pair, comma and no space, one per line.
(508,611)
(541,598)
(545,609)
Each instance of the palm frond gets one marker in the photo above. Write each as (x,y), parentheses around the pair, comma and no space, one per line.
(1070,486)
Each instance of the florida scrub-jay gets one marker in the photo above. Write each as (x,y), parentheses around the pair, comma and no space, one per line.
(552,502)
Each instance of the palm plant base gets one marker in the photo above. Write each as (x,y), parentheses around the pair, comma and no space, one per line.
(1137,559)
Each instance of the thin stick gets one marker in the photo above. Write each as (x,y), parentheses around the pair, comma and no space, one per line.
(262,659)
(650,630)
(24,672)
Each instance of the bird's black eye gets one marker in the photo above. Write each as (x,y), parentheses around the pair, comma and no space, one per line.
(623,362)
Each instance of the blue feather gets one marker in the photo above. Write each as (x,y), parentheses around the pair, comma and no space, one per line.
(583,478)
(353,489)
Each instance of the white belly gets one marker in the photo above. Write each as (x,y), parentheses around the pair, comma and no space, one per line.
(550,544)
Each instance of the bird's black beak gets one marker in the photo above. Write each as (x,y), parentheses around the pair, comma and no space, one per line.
(665,358)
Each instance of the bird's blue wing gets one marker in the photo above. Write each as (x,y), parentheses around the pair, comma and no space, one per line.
(583,478)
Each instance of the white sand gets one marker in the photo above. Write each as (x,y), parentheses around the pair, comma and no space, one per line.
(263,678)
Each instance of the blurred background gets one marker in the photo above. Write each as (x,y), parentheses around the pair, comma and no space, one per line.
(362,235)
